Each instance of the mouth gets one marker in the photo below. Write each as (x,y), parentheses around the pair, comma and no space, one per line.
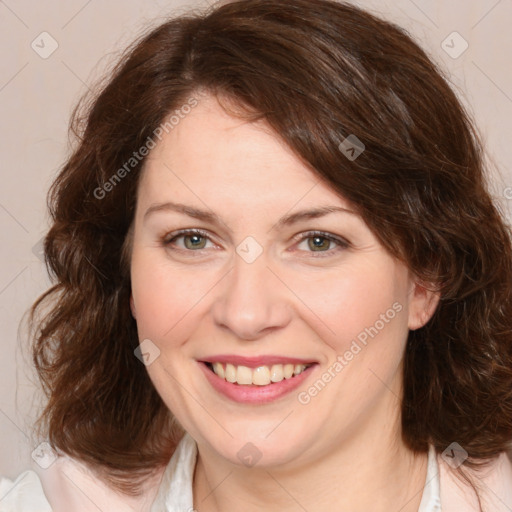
(255,382)
(260,376)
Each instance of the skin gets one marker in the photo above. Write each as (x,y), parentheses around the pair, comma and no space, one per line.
(343,447)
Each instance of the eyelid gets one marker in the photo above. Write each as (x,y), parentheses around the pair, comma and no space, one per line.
(342,242)
(169,237)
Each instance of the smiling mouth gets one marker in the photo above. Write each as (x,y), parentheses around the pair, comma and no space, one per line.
(260,376)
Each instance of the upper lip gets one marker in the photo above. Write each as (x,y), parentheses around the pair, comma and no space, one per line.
(255,362)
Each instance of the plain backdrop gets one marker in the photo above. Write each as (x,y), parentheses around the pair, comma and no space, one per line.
(38,92)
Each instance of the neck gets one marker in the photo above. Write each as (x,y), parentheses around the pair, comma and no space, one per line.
(373,471)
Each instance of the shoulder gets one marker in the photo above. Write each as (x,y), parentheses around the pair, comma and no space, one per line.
(493,481)
(69,485)
(25,494)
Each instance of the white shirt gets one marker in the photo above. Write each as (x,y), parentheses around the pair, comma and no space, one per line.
(67,486)
(175,491)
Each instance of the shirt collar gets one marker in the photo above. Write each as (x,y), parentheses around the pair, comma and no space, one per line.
(431,499)
(175,491)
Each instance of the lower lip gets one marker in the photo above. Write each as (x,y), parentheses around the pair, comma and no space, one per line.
(255,394)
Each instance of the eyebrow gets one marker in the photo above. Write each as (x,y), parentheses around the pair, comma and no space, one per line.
(209,216)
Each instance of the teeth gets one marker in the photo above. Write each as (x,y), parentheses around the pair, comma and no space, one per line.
(299,368)
(261,376)
(277,373)
(230,375)
(288,371)
(219,370)
(244,375)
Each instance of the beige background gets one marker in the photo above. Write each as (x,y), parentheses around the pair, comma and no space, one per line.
(37,96)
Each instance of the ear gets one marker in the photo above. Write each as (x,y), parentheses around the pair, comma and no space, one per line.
(422,304)
(132,307)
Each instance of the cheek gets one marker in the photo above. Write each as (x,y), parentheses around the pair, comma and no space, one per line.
(162,294)
(167,302)
(361,302)
(363,315)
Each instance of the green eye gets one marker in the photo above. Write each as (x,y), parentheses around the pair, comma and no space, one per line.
(194,241)
(319,243)
(188,240)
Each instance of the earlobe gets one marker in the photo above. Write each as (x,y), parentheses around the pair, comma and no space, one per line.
(132,307)
(422,305)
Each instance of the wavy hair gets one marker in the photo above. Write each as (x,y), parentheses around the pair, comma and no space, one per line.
(316,71)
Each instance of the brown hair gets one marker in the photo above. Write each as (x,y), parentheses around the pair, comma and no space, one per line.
(316,71)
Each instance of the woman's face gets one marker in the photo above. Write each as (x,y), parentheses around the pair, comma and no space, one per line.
(245,262)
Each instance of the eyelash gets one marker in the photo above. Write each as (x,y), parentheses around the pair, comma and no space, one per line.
(342,244)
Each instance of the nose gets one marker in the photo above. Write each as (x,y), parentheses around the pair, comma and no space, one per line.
(252,301)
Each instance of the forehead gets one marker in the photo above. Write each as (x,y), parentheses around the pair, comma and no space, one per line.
(212,155)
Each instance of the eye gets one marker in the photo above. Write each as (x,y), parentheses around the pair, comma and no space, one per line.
(320,242)
(188,240)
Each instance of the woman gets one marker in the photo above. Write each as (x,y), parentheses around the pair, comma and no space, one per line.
(281,283)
